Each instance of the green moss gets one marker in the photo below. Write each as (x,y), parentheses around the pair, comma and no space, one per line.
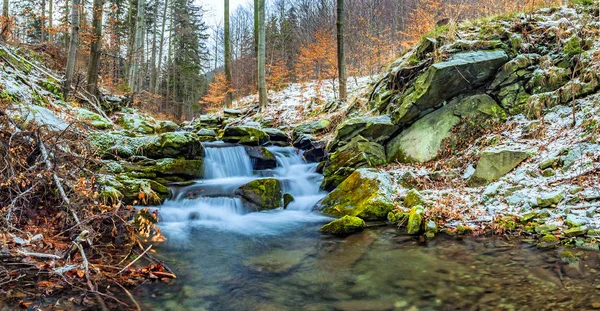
(548,241)
(413,198)
(287,199)
(51,86)
(397,217)
(462,229)
(415,220)
(262,194)
(573,46)
(344,226)
(567,257)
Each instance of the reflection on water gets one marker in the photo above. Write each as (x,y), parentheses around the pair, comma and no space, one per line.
(378,269)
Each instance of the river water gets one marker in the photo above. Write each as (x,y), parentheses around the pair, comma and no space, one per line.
(226,259)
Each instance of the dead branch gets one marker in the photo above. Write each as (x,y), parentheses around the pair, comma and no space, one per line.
(131,263)
(38,255)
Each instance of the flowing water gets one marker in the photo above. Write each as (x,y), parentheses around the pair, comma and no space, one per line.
(227,259)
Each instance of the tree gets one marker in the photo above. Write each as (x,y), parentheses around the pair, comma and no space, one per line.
(137,47)
(153,69)
(162,41)
(95,48)
(5,21)
(227,43)
(73,43)
(262,83)
(341,58)
(50,20)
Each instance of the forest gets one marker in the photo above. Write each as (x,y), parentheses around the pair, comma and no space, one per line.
(299,155)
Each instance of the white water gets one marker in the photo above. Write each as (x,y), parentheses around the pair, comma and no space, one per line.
(211,202)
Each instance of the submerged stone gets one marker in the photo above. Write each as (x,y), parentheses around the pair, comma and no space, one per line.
(344,226)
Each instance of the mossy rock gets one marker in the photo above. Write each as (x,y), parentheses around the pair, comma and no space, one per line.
(495,163)
(366,193)
(94,119)
(358,153)
(287,200)
(187,169)
(144,191)
(548,241)
(136,122)
(278,137)
(550,199)
(377,129)
(244,135)
(166,126)
(414,225)
(397,216)
(261,194)
(344,226)
(413,198)
(262,158)
(313,127)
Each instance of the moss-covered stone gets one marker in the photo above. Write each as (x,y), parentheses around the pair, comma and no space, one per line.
(261,194)
(262,158)
(366,193)
(358,153)
(397,216)
(548,241)
(278,137)
(377,129)
(244,135)
(413,198)
(139,123)
(313,127)
(166,126)
(567,256)
(494,164)
(143,191)
(93,119)
(576,231)
(415,220)
(344,226)
(187,169)
(287,200)
(550,199)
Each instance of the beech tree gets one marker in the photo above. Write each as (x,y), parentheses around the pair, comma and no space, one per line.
(340,50)
(227,43)
(95,48)
(262,82)
(74,42)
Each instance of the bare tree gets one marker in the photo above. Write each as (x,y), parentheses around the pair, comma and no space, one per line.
(341,55)
(262,82)
(95,48)
(162,41)
(5,21)
(153,70)
(137,47)
(73,43)
(227,43)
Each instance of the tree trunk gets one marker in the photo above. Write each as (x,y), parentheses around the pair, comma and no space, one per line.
(160,51)
(138,45)
(95,48)
(341,55)
(153,71)
(43,23)
(262,83)
(74,41)
(227,43)
(50,21)
(5,21)
(67,38)
(256,28)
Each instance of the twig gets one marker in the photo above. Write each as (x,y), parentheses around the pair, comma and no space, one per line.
(38,255)
(131,263)
(137,306)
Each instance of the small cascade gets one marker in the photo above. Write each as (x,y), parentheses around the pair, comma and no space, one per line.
(212,202)
(224,161)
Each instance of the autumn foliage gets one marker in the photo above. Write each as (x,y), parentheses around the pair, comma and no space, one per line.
(217,90)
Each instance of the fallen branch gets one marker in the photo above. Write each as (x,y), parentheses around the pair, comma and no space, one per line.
(38,255)
(131,263)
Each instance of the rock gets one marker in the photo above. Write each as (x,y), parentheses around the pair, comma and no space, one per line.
(39,115)
(396,216)
(287,200)
(205,121)
(550,199)
(422,141)
(315,154)
(261,194)
(413,198)
(167,145)
(548,241)
(367,194)
(145,191)
(545,229)
(303,141)
(187,169)
(514,71)
(548,172)
(244,135)
(344,226)
(576,231)
(365,305)
(548,79)
(232,113)
(206,135)
(277,137)
(377,129)
(445,80)
(277,260)
(575,221)
(262,158)
(314,127)
(495,163)
(550,163)
(166,126)
(137,122)
(93,119)
(358,153)
(415,220)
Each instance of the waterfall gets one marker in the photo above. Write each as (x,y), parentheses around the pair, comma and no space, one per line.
(212,202)
(223,161)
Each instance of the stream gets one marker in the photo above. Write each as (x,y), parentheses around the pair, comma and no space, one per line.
(226,259)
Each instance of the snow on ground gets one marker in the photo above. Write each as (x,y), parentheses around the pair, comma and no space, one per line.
(300,102)
(516,193)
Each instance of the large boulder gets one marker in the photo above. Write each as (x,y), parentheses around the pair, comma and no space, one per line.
(132,189)
(166,145)
(422,141)
(245,135)
(313,127)
(262,158)
(377,129)
(344,226)
(495,163)
(136,122)
(442,81)
(186,169)
(261,194)
(166,126)
(93,119)
(277,137)
(205,121)
(358,153)
(366,193)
